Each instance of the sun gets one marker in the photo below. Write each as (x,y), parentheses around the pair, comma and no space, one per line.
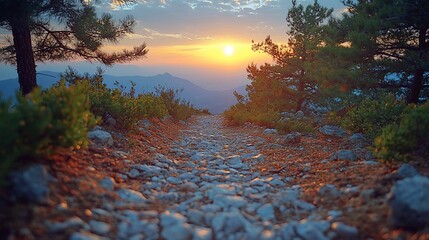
(228,50)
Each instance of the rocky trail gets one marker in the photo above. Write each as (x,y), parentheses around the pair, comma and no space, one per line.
(210,181)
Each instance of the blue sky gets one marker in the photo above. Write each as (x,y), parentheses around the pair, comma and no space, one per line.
(186,37)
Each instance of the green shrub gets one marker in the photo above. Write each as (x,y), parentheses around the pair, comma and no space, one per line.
(42,122)
(241,113)
(398,142)
(177,108)
(371,115)
(304,125)
(126,110)
(124,106)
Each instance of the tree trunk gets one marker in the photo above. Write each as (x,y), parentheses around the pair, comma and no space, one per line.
(25,64)
(301,90)
(417,84)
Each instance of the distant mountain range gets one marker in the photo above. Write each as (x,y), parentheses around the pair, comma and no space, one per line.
(215,101)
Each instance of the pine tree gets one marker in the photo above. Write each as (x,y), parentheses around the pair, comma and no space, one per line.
(290,73)
(386,38)
(59,30)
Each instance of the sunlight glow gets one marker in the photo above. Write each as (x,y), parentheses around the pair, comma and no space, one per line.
(228,50)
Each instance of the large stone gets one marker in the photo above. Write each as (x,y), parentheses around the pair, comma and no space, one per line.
(179,231)
(266,212)
(108,183)
(101,137)
(85,236)
(201,233)
(99,227)
(310,231)
(346,155)
(270,131)
(408,201)
(70,224)
(148,169)
(357,140)
(294,137)
(329,190)
(31,184)
(344,231)
(169,219)
(299,114)
(229,201)
(333,131)
(406,171)
(130,195)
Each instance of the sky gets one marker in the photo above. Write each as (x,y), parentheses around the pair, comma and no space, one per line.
(187,38)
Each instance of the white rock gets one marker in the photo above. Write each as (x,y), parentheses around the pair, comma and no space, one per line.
(408,201)
(148,169)
(99,227)
(201,233)
(230,201)
(134,173)
(345,232)
(108,183)
(406,171)
(234,223)
(270,131)
(130,195)
(85,236)
(174,180)
(294,137)
(329,190)
(299,114)
(31,184)
(333,131)
(266,212)
(347,155)
(101,137)
(287,231)
(180,231)
(72,223)
(308,231)
(169,219)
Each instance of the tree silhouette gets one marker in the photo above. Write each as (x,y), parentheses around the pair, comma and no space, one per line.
(60,30)
(385,38)
(290,72)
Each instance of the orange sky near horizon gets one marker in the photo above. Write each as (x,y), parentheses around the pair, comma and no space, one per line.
(187,38)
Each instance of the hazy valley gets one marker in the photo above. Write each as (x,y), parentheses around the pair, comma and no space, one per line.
(216,101)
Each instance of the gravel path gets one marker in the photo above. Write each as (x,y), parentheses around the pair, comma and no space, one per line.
(213,193)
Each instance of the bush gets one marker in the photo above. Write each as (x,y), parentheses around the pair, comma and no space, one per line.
(177,108)
(398,142)
(371,115)
(42,122)
(241,113)
(304,125)
(126,108)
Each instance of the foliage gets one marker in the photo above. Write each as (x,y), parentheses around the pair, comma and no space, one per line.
(52,30)
(42,122)
(369,115)
(124,106)
(384,44)
(288,83)
(240,113)
(398,142)
(177,108)
(285,85)
(296,125)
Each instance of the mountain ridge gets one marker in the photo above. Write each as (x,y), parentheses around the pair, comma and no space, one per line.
(216,101)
